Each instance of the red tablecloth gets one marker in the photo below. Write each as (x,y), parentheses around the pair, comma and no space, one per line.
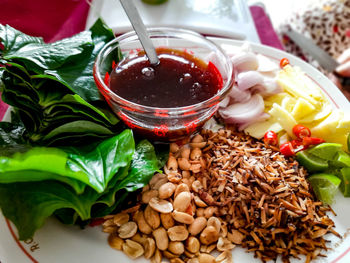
(57,19)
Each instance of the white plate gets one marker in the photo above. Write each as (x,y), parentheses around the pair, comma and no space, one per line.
(57,243)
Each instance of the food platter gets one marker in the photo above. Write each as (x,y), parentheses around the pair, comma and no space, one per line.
(55,242)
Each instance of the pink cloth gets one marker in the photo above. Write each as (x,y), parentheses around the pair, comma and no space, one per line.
(57,19)
(264,28)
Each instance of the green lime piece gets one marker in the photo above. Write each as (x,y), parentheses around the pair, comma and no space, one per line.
(311,162)
(325,186)
(154,2)
(341,159)
(344,175)
(326,150)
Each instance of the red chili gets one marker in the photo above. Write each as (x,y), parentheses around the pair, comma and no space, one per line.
(301,131)
(270,138)
(307,141)
(287,149)
(284,62)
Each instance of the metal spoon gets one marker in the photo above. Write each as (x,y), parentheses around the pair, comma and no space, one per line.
(140,30)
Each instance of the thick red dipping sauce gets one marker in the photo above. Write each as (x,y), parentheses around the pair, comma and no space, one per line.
(180,79)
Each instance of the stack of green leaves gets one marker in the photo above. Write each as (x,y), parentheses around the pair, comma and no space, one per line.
(75,183)
(51,86)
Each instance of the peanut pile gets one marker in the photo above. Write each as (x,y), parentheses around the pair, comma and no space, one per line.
(172,221)
(220,190)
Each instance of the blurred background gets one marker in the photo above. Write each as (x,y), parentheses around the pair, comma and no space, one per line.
(325,23)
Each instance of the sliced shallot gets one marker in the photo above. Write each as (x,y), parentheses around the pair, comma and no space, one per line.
(243,112)
(248,79)
(245,61)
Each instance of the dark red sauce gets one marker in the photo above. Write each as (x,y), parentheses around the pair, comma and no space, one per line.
(180,79)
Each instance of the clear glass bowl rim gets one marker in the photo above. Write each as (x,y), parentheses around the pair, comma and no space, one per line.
(177,110)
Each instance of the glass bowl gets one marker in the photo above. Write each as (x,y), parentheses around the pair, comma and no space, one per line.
(163,124)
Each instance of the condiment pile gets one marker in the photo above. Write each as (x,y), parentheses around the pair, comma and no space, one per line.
(220,190)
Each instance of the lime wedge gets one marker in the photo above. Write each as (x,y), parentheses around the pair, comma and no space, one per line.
(344,175)
(342,159)
(311,162)
(325,186)
(326,150)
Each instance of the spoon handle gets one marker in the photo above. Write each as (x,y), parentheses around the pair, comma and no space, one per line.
(140,30)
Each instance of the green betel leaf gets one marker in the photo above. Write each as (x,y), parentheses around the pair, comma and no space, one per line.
(78,74)
(28,205)
(144,165)
(13,40)
(93,165)
(103,161)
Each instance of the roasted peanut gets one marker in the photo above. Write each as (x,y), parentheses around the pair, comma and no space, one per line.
(148,195)
(115,242)
(199,202)
(161,238)
(182,201)
(209,211)
(209,235)
(200,212)
(199,145)
(159,183)
(182,217)
(189,254)
(166,190)
(160,205)
(197,225)
(108,222)
(178,233)
(206,258)
(127,230)
(167,220)
(150,247)
(193,260)
(184,164)
(185,152)
(195,167)
(144,227)
(110,229)
(174,177)
(181,188)
(120,219)
(186,174)
(141,239)
(210,248)
(172,164)
(157,257)
(197,138)
(196,186)
(225,257)
(169,255)
(145,188)
(152,217)
(132,249)
(174,147)
(223,230)
(176,247)
(193,245)
(156,178)
(215,222)
(196,154)
(224,244)
(235,237)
